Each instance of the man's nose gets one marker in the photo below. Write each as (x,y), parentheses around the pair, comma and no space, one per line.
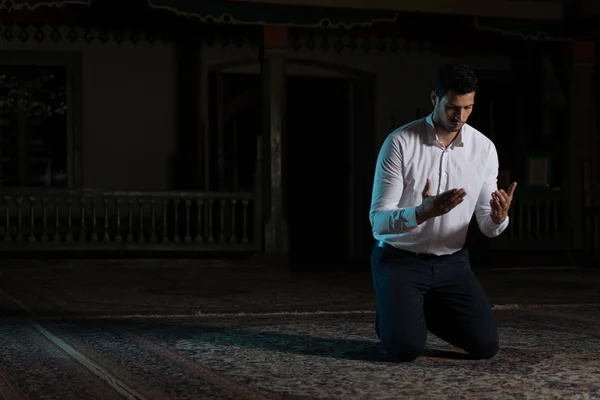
(462,116)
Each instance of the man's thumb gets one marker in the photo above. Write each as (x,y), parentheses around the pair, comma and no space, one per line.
(427,187)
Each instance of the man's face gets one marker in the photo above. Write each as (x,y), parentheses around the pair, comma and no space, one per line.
(452,111)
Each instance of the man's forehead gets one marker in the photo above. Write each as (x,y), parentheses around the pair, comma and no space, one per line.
(460,100)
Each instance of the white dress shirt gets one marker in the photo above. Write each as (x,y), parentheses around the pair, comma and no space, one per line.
(412,154)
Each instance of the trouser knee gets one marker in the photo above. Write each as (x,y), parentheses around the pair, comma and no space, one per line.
(484,350)
(403,352)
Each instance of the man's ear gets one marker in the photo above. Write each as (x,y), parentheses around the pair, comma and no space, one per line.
(434,98)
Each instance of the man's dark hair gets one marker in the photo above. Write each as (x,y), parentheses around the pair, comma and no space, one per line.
(458,78)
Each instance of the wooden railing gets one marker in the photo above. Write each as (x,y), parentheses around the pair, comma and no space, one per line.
(537,221)
(122,220)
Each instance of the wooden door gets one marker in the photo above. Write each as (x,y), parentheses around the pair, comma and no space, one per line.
(318,170)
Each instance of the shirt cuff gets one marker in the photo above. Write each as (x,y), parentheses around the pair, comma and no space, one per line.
(407,218)
(497,229)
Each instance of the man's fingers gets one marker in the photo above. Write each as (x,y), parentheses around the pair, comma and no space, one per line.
(502,198)
(457,201)
(450,206)
(452,199)
(456,194)
(451,196)
(505,195)
(495,205)
(511,189)
(452,192)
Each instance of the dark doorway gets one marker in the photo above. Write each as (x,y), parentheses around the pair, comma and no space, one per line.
(235,126)
(317,170)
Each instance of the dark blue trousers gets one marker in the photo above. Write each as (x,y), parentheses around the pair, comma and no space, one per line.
(439,294)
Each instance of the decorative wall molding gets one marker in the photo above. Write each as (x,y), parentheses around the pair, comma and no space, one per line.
(48,33)
(33,5)
(364,44)
(225,38)
(62,33)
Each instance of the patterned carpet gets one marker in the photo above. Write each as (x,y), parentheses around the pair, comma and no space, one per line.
(176,287)
(547,353)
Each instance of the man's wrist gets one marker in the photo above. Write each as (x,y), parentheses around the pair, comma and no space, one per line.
(419,215)
(496,221)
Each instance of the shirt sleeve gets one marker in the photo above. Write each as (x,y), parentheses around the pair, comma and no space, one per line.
(483,208)
(385,215)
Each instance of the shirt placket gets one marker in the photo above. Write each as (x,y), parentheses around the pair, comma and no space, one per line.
(442,187)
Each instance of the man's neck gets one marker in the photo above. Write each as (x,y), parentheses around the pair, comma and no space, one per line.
(444,136)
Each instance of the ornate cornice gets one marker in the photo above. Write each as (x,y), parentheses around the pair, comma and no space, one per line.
(229,37)
(359,44)
(44,33)
(34,5)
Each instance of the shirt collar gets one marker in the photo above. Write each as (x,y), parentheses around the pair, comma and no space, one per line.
(432,138)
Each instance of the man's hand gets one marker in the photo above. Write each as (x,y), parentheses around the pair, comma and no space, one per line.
(500,203)
(434,206)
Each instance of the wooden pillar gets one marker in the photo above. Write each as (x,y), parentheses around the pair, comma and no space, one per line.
(582,127)
(273,75)
(528,102)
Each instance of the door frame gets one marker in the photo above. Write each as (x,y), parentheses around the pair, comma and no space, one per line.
(223,115)
(359,133)
(362,131)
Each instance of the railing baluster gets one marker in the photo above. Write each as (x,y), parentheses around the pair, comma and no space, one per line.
(222,224)
(106,237)
(176,238)
(199,204)
(69,220)
(233,239)
(555,205)
(141,237)
(32,201)
(595,234)
(118,237)
(165,238)
(153,238)
(588,235)
(94,226)
(209,213)
(7,235)
(82,233)
(57,237)
(520,219)
(537,205)
(188,237)
(130,230)
(528,228)
(44,219)
(245,238)
(19,219)
(547,225)
(511,226)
